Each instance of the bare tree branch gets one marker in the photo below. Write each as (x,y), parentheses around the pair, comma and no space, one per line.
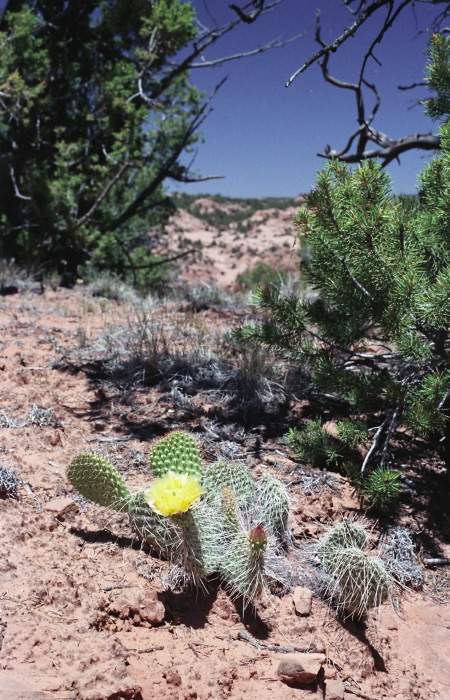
(165,169)
(274,44)
(101,197)
(199,178)
(357,147)
(348,32)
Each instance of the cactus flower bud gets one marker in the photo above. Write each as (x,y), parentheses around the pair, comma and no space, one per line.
(258,538)
(173,493)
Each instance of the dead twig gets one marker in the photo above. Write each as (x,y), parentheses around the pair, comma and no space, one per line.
(119,585)
(244,635)
(145,651)
(358,693)
(437,562)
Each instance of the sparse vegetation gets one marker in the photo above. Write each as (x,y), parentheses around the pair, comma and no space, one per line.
(9,482)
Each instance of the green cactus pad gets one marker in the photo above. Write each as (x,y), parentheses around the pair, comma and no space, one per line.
(242,568)
(341,536)
(97,480)
(358,582)
(235,476)
(178,452)
(198,550)
(274,504)
(159,532)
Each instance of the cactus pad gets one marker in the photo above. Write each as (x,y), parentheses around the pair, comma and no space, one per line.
(274,504)
(159,532)
(234,476)
(341,536)
(179,453)
(97,480)
(358,581)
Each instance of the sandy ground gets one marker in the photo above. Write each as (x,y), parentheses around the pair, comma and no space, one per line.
(270,238)
(84,613)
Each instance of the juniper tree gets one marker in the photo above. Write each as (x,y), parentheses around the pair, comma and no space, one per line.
(377,335)
(96,108)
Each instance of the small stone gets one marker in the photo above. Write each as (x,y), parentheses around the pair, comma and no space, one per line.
(62,508)
(300,668)
(334,689)
(173,677)
(139,606)
(302,598)
(330,673)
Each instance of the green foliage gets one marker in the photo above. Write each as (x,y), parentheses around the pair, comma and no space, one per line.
(314,445)
(376,338)
(381,489)
(92,122)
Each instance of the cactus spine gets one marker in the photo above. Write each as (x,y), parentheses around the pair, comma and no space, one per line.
(274,504)
(243,565)
(358,581)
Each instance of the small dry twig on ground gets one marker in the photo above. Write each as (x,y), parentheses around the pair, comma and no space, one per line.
(245,636)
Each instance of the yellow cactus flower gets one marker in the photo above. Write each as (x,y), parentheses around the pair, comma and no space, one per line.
(173,493)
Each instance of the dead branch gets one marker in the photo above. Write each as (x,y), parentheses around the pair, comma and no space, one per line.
(436,562)
(348,32)
(246,637)
(358,147)
(373,445)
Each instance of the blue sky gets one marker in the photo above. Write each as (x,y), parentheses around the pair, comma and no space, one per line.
(263,137)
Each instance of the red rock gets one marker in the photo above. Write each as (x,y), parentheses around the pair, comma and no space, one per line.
(300,668)
(334,689)
(62,508)
(302,598)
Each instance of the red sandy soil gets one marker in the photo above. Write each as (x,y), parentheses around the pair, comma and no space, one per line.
(270,238)
(84,614)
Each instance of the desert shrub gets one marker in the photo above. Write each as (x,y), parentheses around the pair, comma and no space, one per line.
(261,273)
(9,482)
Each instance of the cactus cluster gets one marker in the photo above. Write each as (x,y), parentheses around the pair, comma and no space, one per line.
(355,580)
(213,520)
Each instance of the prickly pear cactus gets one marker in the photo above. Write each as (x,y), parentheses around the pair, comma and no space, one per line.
(197,548)
(220,521)
(235,477)
(274,504)
(179,453)
(358,581)
(97,480)
(341,536)
(242,565)
(159,532)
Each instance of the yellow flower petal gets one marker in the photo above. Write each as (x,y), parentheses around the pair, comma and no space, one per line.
(173,493)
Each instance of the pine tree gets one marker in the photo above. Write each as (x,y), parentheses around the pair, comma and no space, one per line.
(376,336)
